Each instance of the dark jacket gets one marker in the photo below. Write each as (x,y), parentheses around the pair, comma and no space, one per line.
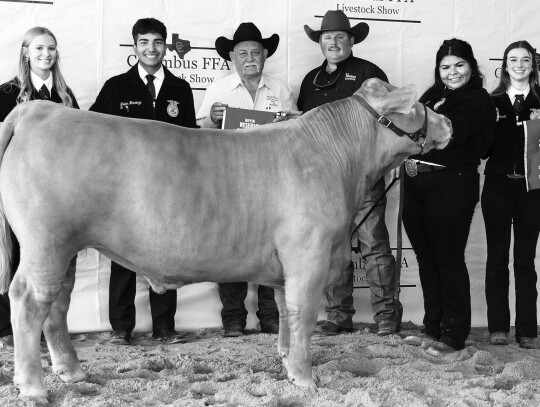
(10,90)
(506,155)
(347,79)
(473,116)
(126,95)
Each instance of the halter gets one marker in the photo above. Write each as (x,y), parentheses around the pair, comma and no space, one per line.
(386,122)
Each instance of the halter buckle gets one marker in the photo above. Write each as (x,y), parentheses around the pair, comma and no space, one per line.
(384,121)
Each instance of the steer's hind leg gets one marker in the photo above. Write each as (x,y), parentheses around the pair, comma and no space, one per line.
(305,276)
(63,356)
(35,287)
(284,332)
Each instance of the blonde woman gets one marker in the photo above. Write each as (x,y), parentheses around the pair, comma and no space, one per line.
(38,77)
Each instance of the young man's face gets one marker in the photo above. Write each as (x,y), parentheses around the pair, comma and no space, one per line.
(150,49)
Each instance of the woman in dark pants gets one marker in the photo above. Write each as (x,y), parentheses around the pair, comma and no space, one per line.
(38,77)
(440,197)
(507,205)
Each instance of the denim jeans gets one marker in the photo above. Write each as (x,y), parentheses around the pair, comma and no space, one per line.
(379,263)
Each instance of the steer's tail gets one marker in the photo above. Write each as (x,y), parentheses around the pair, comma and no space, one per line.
(6,133)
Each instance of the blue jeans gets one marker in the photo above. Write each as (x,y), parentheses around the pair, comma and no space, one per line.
(379,263)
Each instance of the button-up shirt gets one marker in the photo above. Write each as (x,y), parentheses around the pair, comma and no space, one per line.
(38,82)
(159,76)
(273,95)
(512,92)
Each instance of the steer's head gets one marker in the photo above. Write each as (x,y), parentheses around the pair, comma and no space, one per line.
(400,106)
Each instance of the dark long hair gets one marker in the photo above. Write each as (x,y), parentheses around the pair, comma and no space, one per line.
(504,82)
(461,49)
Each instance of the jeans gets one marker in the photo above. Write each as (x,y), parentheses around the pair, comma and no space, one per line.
(506,204)
(437,213)
(234,311)
(379,263)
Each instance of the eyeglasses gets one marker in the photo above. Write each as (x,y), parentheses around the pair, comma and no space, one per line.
(327,85)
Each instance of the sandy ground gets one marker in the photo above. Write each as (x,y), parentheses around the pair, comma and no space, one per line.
(357,369)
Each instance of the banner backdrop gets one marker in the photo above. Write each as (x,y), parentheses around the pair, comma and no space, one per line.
(95,43)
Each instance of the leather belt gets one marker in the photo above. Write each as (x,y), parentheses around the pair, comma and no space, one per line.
(515,176)
(428,168)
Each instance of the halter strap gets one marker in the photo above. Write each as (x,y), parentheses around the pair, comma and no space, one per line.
(386,122)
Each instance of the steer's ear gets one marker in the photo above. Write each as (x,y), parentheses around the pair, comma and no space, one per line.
(386,98)
(400,100)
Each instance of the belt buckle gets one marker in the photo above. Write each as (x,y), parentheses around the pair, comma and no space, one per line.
(411,168)
(515,176)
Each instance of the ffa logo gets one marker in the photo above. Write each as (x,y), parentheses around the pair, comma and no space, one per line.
(182,47)
(535,114)
(172,109)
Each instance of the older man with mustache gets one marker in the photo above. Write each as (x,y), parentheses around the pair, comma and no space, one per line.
(247,88)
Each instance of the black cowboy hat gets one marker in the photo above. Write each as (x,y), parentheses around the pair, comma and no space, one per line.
(245,32)
(336,20)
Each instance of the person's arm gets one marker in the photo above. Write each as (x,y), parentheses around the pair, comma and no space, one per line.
(466,112)
(189,109)
(73,99)
(204,116)
(103,103)
(8,99)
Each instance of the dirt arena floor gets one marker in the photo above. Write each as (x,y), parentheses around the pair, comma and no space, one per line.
(357,369)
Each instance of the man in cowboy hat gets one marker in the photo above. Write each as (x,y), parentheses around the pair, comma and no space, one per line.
(247,88)
(339,76)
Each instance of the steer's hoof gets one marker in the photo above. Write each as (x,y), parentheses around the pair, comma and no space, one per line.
(36,397)
(303,382)
(37,401)
(66,377)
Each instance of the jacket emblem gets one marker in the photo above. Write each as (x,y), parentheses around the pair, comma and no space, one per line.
(172,108)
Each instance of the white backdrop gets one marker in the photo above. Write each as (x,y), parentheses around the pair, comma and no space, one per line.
(94,40)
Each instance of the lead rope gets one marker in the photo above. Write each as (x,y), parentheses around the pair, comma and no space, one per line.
(399,249)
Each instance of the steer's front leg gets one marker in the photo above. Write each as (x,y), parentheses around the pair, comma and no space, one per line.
(284,332)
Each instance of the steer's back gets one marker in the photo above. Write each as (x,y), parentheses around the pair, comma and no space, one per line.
(159,195)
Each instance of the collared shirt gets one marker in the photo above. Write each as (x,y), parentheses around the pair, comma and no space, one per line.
(38,82)
(512,92)
(159,76)
(319,87)
(272,95)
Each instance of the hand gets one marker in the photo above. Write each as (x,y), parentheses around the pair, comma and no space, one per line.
(394,173)
(289,114)
(216,112)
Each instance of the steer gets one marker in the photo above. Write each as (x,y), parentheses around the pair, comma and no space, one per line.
(273,204)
